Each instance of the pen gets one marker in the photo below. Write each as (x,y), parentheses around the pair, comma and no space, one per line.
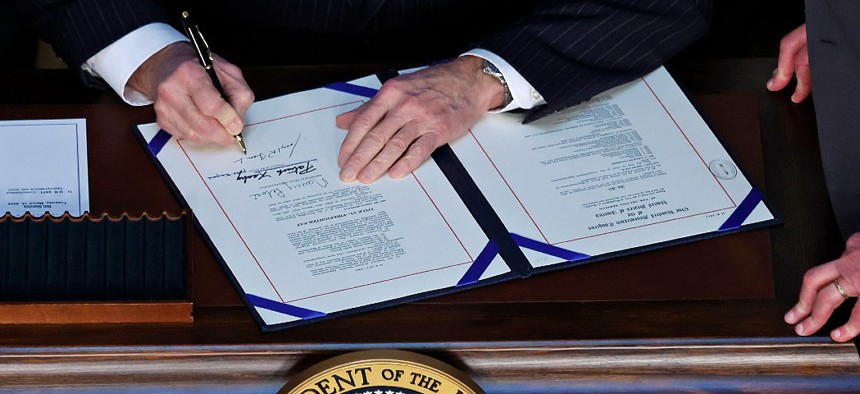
(205,57)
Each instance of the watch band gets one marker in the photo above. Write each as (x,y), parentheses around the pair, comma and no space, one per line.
(493,71)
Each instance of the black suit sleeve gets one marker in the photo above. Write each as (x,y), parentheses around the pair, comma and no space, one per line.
(78,29)
(572,50)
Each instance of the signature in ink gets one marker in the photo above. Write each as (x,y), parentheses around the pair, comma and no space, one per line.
(300,168)
(278,189)
(241,175)
(271,153)
(272,193)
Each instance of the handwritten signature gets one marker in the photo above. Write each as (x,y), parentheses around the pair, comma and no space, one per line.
(271,153)
(276,191)
(299,168)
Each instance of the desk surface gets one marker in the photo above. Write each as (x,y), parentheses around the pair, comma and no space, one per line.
(710,311)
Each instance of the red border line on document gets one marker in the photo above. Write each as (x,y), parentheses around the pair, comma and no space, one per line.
(263,270)
(517,197)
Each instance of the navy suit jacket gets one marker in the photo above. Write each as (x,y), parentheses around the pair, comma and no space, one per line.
(568,50)
(833,38)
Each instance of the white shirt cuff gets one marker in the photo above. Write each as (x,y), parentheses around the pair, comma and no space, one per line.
(523,93)
(118,61)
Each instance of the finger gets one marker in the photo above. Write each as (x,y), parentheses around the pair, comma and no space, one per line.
(803,75)
(369,146)
(170,121)
(418,152)
(344,120)
(394,148)
(804,85)
(210,104)
(366,118)
(788,49)
(813,281)
(849,330)
(171,106)
(239,94)
(852,244)
(826,302)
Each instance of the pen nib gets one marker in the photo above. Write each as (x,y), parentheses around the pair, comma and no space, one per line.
(241,142)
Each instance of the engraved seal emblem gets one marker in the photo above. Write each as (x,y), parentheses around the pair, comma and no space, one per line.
(381,372)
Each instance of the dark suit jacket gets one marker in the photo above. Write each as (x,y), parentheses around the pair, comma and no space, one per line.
(568,50)
(833,37)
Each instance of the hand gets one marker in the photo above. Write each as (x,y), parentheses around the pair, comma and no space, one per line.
(187,105)
(793,61)
(412,115)
(819,296)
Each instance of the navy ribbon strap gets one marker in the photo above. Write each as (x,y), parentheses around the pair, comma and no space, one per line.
(280,307)
(480,265)
(352,89)
(158,141)
(743,211)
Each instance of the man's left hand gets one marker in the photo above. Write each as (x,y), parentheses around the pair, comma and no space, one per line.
(820,295)
(412,115)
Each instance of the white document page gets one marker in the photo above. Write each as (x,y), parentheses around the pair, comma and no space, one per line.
(634,166)
(300,242)
(43,167)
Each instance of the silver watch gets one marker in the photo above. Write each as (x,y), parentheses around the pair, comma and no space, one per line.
(491,70)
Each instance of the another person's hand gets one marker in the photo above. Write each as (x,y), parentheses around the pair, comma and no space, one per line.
(820,294)
(412,115)
(793,61)
(187,104)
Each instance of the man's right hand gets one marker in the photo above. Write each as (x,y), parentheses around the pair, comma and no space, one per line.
(187,104)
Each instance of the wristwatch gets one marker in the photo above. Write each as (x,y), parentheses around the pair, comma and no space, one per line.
(493,71)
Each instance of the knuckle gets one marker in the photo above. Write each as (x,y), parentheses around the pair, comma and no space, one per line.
(160,107)
(417,151)
(412,103)
(375,138)
(392,85)
(409,162)
(246,97)
(398,144)
(212,107)
(187,67)
(165,91)
(200,125)
(358,158)
(808,278)
(362,122)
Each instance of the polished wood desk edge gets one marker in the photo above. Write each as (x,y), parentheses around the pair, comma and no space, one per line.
(556,361)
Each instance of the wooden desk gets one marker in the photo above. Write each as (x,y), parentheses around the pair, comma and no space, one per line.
(701,316)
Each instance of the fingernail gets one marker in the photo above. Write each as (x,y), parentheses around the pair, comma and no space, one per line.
(836,334)
(799,329)
(789,317)
(347,174)
(234,127)
(396,172)
(770,83)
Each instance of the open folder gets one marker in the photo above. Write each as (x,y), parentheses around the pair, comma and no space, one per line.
(631,169)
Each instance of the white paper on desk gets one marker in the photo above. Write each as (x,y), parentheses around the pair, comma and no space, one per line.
(43,167)
(634,166)
(299,242)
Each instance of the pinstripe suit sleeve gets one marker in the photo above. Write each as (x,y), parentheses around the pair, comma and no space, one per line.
(78,29)
(572,50)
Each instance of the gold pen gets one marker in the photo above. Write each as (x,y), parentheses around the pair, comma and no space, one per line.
(205,57)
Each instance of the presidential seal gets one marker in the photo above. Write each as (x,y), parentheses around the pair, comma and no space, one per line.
(381,372)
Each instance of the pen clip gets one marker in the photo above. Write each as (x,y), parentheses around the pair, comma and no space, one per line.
(196,37)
